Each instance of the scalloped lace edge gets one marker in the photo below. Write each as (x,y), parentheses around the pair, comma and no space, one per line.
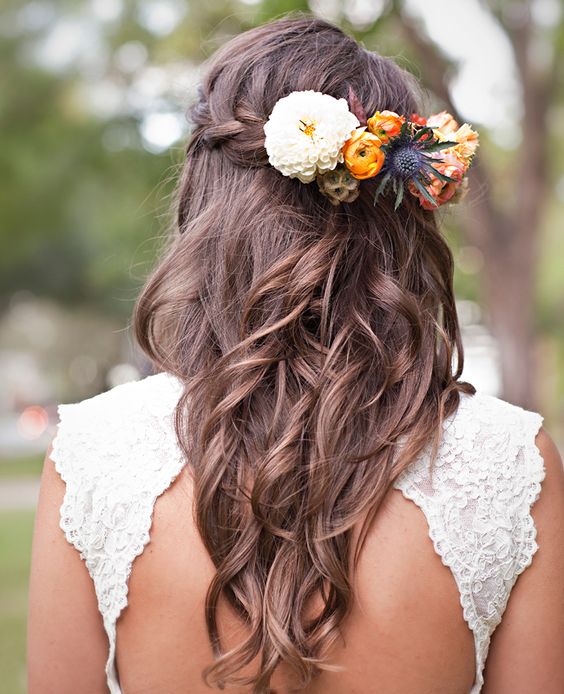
(536,463)
(411,492)
(109,620)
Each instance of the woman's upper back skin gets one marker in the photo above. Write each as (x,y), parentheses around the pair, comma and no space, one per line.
(406,633)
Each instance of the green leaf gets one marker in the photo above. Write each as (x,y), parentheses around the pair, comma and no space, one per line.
(424,175)
(419,134)
(381,186)
(424,192)
(437,146)
(435,172)
(443,177)
(399,196)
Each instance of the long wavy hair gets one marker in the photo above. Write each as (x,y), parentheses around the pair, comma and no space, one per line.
(316,345)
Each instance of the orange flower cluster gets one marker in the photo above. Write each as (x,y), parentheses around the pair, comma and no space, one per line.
(453,162)
(441,191)
(385,124)
(363,156)
(365,152)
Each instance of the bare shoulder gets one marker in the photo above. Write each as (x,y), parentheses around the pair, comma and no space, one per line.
(548,511)
(526,649)
(61,595)
(550,453)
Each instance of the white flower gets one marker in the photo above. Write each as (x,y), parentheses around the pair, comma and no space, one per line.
(305,133)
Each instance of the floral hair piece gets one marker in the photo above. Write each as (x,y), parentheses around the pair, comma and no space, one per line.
(314,136)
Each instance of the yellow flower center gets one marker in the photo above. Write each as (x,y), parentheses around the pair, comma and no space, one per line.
(308,128)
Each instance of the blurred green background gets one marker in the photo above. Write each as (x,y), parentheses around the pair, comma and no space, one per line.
(92,101)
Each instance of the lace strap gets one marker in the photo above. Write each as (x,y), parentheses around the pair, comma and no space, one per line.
(477,503)
(116,453)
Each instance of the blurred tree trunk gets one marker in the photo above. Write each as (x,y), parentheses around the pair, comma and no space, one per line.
(507,234)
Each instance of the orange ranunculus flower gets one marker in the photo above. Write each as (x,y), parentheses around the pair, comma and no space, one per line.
(443,122)
(385,124)
(442,191)
(362,153)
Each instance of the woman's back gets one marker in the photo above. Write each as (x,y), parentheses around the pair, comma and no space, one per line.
(401,636)
(305,306)
(406,631)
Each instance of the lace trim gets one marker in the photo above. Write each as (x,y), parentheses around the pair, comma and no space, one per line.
(477,503)
(117,454)
(113,477)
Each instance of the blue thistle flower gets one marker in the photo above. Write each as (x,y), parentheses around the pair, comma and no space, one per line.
(408,159)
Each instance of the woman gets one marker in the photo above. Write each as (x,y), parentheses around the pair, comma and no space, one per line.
(302,326)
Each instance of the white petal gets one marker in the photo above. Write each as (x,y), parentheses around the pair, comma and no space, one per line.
(298,155)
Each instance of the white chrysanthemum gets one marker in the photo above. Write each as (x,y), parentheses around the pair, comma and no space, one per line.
(305,133)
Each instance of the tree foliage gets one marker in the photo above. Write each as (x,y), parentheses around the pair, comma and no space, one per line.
(85,199)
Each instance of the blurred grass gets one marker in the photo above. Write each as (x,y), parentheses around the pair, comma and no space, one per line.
(16,528)
(21,466)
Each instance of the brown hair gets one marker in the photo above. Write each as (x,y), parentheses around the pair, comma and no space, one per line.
(312,340)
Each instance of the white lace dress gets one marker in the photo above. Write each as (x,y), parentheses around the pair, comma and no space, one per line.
(117,453)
